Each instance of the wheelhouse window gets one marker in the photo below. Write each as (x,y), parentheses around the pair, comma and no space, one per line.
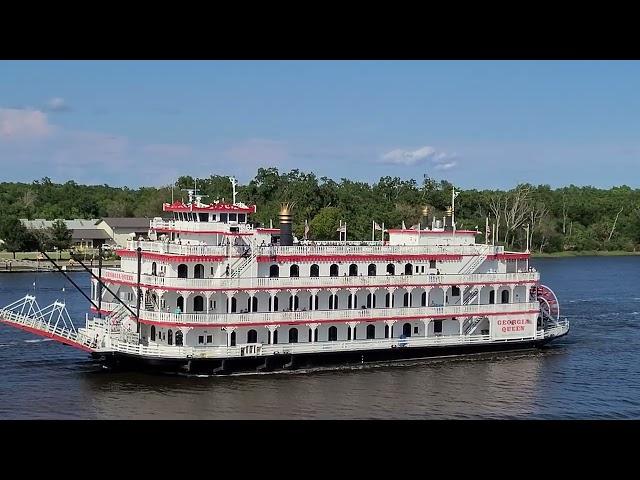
(314,271)
(223,217)
(233,217)
(242,217)
(204,217)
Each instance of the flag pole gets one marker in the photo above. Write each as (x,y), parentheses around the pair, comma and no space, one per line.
(373,230)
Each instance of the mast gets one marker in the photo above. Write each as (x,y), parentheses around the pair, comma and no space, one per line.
(234,182)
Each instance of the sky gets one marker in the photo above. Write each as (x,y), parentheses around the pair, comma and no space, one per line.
(478,124)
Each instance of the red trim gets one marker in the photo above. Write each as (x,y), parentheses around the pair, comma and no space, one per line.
(432,232)
(169,257)
(179,206)
(205,232)
(509,256)
(356,258)
(53,336)
(307,287)
(365,319)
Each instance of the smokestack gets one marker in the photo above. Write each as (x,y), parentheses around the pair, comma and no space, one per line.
(448,221)
(424,220)
(286,224)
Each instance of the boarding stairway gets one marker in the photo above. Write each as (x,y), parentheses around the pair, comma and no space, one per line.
(52,321)
(245,261)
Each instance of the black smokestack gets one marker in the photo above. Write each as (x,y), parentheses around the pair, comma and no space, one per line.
(448,221)
(286,225)
(424,220)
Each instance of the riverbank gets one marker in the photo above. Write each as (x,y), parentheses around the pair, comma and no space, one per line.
(16,266)
(585,253)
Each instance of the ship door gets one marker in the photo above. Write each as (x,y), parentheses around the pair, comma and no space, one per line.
(406,330)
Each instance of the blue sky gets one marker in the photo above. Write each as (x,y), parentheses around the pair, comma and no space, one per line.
(479,124)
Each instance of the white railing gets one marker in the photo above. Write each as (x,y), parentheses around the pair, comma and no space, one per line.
(330,315)
(317,249)
(200,226)
(287,283)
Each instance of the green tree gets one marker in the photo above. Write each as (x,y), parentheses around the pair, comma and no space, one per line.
(15,236)
(60,235)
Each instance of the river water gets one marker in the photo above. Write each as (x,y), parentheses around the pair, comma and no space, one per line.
(593,373)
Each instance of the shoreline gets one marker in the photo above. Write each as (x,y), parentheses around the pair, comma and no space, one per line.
(586,253)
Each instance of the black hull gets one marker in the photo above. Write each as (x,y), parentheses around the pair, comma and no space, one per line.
(287,362)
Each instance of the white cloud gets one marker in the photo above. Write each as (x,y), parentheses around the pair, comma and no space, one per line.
(23,124)
(440,160)
(57,104)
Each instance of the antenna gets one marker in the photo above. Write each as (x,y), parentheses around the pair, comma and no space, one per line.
(234,182)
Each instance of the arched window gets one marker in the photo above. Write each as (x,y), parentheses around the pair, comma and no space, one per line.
(386,331)
(198,306)
(252,336)
(333,302)
(370,299)
(371,331)
(333,270)
(153,332)
(391,269)
(406,299)
(253,304)
(154,268)
(387,300)
(170,337)
(294,271)
(232,341)
(424,299)
(275,337)
(234,305)
(406,330)
(492,296)
(275,303)
(505,296)
(294,303)
(408,269)
(182,270)
(315,271)
(180,304)
(293,335)
(178,338)
(353,270)
(371,271)
(274,271)
(455,291)
(198,271)
(333,334)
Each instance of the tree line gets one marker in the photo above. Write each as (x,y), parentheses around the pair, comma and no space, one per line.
(570,218)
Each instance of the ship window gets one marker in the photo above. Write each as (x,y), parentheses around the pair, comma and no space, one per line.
(455,291)
(200,339)
(408,269)
(170,337)
(153,332)
(223,217)
(406,299)
(415,329)
(333,334)
(294,271)
(315,271)
(242,217)
(179,342)
(154,268)
(252,336)
(371,332)
(233,339)
(204,217)
(274,271)
(424,299)
(180,304)
(275,337)
(386,331)
(406,330)
(505,296)
(182,270)
(234,304)
(333,270)
(198,304)
(371,271)
(209,338)
(391,269)
(275,304)
(211,270)
(293,302)
(253,302)
(198,271)
(233,217)
(212,217)
(353,270)
(293,335)
(437,326)
(432,264)
(492,296)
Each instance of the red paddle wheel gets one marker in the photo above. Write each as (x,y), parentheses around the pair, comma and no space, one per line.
(549,305)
